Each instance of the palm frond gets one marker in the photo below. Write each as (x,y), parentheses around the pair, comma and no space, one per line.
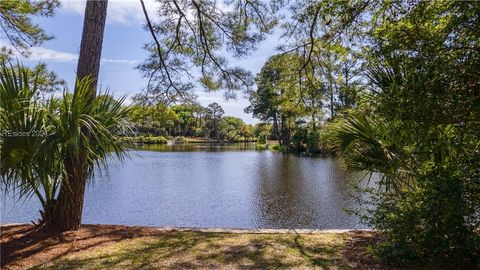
(59,130)
(23,125)
(366,145)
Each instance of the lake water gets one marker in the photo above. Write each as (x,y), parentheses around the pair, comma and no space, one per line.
(229,186)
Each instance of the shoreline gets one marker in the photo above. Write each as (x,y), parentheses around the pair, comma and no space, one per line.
(218,230)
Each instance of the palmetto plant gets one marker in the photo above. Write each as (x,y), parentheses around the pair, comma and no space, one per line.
(28,162)
(370,146)
(40,136)
(92,125)
(376,144)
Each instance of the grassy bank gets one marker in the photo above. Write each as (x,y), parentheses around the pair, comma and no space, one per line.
(122,247)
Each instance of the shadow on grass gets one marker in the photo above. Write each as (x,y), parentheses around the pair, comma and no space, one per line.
(24,243)
(180,250)
(320,255)
(150,252)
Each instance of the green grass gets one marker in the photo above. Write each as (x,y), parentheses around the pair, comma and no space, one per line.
(211,251)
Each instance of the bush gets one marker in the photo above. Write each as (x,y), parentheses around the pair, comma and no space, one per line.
(262,137)
(428,202)
(327,136)
(313,142)
(280,148)
(146,139)
(305,140)
(261,147)
(158,140)
(435,223)
(298,140)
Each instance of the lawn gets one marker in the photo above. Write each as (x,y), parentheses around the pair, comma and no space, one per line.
(122,247)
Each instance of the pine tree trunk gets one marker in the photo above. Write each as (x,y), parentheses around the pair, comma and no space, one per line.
(68,212)
(92,39)
(275,127)
(314,124)
(331,101)
(285,132)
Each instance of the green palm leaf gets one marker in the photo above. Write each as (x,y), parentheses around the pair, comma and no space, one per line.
(60,129)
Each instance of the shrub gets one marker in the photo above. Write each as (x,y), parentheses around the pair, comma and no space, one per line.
(146,139)
(262,137)
(427,207)
(313,142)
(261,147)
(435,223)
(280,148)
(158,140)
(298,140)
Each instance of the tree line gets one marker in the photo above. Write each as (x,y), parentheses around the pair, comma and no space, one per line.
(190,119)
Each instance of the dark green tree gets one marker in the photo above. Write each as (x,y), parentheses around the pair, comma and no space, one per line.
(213,115)
(16,22)
(285,94)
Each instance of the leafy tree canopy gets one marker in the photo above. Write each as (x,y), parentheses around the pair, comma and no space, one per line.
(16,22)
(191,37)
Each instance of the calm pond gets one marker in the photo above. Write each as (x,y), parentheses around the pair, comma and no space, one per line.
(226,186)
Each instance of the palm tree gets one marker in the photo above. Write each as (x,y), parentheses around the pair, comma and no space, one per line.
(64,129)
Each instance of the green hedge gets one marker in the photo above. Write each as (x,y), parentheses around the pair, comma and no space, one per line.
(146,139)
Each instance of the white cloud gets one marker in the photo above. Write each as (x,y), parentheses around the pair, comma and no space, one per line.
(119,61)
(43,54)
(127,12)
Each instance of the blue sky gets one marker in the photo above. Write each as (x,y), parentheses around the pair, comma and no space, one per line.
(122,51)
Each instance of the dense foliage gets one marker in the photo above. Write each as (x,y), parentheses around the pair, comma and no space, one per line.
(421,133)
(400,83)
